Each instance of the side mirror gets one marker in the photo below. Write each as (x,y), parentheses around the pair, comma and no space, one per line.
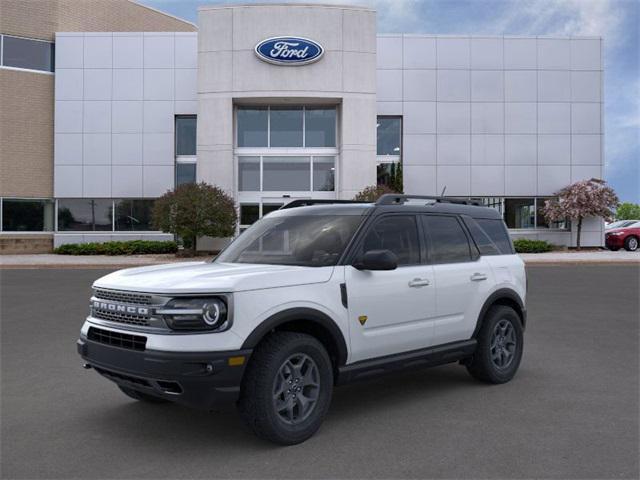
(377,260)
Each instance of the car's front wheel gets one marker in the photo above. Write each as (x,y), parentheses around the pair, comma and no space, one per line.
(631,244)
(500,344)
(287,388)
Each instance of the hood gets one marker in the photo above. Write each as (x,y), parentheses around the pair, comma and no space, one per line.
(206,277)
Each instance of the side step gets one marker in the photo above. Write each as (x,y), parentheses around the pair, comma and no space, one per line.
(426,357)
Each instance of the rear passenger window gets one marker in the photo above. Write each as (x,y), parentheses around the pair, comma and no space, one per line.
(447,240)
(484,243)
(397,233)
(497,232)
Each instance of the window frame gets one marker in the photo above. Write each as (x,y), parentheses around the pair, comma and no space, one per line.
(268,146)
(361,234)
(474,253)
(54,220)
(22,69)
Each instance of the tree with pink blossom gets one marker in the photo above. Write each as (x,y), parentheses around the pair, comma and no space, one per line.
(586,198)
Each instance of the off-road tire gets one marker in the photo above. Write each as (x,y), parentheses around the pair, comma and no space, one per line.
(482,365)
(631,243)
(141,396)
(256,403)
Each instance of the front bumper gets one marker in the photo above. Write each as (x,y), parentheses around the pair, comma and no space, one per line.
(201,380)
(614,241)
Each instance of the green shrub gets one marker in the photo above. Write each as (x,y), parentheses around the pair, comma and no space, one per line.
(132,247)
(524,245)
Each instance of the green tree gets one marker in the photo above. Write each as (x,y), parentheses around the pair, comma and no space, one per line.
(195,210)
(628,211)
(373,193)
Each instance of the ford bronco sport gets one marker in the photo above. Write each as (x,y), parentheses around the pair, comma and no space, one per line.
(311,296)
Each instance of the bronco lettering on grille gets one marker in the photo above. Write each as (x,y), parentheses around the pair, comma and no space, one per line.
(115,307)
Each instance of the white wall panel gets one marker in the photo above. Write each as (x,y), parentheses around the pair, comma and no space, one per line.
(454,86)
(96,117)
(128,84)
(552,178)
(67,181)
(487,149)
(554,149)
(521,85)
(126,117)
(68,149)
(520,180)
(456,179)
(97,84)
(96,149)
(554,54)
(453,52)
(158,149)
(419,85)
(158,84)
(389,85)
(126,181)
(487,117)
(186,50)
(520,149)
(520,118)
(68,116)
(585,86)
(454,149)
(69,50)
(454,117)
(420,180)
(487,180)
(585,118)
(157,180)
(158,117)
(419,117)
(127,51)
(554,117)
(419,149)
(586,54)
(126,149)
(68,84)
(520,53)
(419,52)
(98,51)
(96,181)
(158,51)
(487,53)
(487,85)
(586,150)
(389,52)
(554,86)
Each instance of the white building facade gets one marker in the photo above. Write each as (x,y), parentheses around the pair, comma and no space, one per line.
(505,120)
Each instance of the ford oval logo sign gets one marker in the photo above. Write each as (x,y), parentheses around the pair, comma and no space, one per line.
(289,51)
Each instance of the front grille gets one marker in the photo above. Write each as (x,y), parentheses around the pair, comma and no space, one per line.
(124,297)
(119,376)
(117,339)
(127,318)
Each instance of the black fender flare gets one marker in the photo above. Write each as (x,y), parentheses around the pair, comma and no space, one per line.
(300,314)
(502,296)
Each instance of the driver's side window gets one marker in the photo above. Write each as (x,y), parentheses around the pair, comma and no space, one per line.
(396,233)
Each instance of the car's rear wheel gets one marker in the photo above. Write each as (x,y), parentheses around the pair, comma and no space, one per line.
(141,396)
(631,243)
(287,388)
(500,344)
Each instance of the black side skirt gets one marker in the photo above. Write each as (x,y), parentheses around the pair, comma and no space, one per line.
(426,357)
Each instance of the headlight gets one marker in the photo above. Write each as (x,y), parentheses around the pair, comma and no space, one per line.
(196,314)
(616,233)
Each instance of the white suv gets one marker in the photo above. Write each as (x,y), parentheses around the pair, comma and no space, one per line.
(314,295)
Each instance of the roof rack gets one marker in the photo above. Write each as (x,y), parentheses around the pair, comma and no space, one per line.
(310,201)
(400,199)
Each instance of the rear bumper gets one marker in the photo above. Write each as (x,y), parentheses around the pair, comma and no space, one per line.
(196,379)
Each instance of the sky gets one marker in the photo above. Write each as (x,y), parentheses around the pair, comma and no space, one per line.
(617,21)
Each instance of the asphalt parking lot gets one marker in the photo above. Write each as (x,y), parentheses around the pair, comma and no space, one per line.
(571,412)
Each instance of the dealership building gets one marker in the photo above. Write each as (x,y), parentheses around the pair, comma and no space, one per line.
(280,102)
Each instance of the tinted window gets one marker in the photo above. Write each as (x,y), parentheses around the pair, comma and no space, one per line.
(248,174)
(286,173)
(186,135)
(497,232)
(25,53)
(324,174)
(249,213)
(320,127)
(253,127)
(27,215)
(84,214)
(447,240)
(185,173)
(286,127)
(519,212)
(389,133)
(397,233)
(481,238)
(134,215)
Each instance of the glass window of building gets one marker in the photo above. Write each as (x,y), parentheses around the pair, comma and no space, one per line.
(27,215)
(542,221)
(85,215)
(389,133)
(320,127)
(249,213)
(186,126)
(26,53)
(270,207)
(519,212)
(286,174)
(253,126)
(324,169)
(286,127)
(133,215)
(249,174)
(185,173)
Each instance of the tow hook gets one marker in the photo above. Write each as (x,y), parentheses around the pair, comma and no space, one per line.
(86,366)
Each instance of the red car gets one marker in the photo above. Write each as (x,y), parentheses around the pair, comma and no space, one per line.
(627,237)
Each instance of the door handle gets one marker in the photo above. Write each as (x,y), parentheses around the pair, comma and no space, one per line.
(419,282)
(477,277)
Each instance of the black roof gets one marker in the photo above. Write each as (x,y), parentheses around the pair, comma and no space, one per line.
(390,203)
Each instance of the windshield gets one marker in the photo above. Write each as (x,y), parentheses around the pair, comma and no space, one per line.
(621,224)
(304,240)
